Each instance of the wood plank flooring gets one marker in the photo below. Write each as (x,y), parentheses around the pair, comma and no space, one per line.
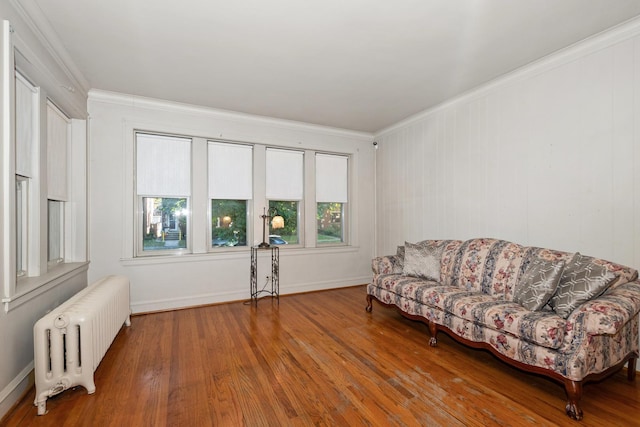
(313,359)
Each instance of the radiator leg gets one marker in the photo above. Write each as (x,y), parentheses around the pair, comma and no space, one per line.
(42,407)
(128,321)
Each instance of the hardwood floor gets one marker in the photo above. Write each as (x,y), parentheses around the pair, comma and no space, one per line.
(313,359)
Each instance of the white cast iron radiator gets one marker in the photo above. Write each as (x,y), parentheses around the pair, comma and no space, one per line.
(70,341)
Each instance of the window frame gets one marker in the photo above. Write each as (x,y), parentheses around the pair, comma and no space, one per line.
(274,194)
(200,224)
(249,202)
(139,201)
(345,195)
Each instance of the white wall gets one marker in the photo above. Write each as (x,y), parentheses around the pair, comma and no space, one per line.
(546,156)
(167,282)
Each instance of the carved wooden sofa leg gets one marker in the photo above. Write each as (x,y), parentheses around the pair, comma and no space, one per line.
(433,330)
(574,393)
(631,369)
(369,303)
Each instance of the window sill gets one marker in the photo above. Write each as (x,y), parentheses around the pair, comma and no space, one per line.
(235,254)
(29,288)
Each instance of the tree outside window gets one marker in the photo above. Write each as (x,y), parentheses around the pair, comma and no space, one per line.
(329,217)
(228,223)
(289,234)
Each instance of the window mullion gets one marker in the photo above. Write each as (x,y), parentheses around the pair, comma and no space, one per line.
(309,210)
(199,198)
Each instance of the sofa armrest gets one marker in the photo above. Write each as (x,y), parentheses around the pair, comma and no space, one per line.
(389,264)
(608,313)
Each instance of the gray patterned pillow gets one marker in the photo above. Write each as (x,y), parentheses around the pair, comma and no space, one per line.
(422,261)
(581,281)
(538,283)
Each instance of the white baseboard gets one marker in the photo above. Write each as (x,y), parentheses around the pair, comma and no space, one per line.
(14,391)
(215,298)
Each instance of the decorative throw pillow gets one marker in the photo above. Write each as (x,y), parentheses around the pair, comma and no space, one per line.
(538,283)
(422,261)
(580,281)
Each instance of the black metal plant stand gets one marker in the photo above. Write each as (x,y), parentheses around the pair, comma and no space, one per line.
(274,292)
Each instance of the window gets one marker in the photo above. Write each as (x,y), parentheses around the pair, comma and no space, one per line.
(45,211)
(331,197)
(285,191)
(57,153)
(163,185)
(26,166)
(57,189)
(198,195)
(56,231)
(230,190)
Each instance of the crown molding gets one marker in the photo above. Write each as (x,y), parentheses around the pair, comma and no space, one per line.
(132,101)
(592,44)
(38,23)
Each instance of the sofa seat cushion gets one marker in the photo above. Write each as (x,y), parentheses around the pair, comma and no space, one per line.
(405,286)
(538,327)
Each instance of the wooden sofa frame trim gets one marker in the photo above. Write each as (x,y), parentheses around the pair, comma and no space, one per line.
(572,388)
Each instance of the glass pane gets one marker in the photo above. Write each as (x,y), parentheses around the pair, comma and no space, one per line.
(289,233)
(21,225)
(164,223)
(329,219)
(228,223)
(56,230)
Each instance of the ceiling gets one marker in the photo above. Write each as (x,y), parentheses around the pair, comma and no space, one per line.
(354,64)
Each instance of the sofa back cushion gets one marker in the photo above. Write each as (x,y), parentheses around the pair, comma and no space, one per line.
(623,274)
(491,266)
(450,249)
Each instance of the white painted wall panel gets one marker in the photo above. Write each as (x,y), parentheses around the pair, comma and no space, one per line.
(545,156)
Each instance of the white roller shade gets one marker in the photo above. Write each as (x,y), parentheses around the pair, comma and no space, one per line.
(230,171)
(163,166)
(285,177)
(57,148)
(26,108)
(331,178)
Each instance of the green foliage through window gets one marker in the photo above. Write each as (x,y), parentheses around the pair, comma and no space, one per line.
(329,218)
(228,222)
(289,211)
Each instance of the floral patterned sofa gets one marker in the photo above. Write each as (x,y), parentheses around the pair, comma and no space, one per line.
(567,316)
